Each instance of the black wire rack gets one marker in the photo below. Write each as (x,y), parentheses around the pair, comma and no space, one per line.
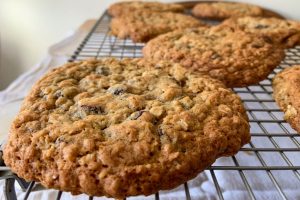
(270,157)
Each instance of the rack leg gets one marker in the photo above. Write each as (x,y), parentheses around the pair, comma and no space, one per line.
(9,189)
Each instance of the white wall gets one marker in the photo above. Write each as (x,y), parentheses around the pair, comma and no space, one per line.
(29,27)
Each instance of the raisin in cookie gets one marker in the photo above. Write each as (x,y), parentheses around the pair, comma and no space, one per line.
(233,56)
(282,31)
(286,89)
(124,8)
(223,10)
(123,127)
(142,26)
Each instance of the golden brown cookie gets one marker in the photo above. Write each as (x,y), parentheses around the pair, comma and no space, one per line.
(142,26)
(286,89)
(236,58)
(281,31)
(123,127)
(125,8)
(223,10)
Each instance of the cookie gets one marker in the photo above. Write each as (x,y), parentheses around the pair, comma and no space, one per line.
(223,10)
(142,26)
(282,31)
(286,92)
(124,8)
(236,58)
(123,127)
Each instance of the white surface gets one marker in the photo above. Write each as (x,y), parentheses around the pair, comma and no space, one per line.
(7,114)
(29,27)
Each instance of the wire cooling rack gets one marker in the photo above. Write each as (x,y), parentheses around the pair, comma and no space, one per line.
(271,153)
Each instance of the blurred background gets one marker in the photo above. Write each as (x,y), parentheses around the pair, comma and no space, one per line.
(29,27)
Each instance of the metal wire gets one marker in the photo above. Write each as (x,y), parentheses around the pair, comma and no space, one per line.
(58,195)
(261,108)
(187,192)
(157,196)
(29,190)
(217,186)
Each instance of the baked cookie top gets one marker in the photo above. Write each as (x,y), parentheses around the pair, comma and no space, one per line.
(232,56)
(123,127)
(282,31)
(124,8)
(142,26)
(286,89)
(223,10)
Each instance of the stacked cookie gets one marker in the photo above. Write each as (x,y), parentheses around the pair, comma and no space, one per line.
(125,8)
(224,10)
(142,21)
(141,25)
(136,126)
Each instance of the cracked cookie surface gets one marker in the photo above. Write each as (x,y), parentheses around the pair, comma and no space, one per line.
(124,8)
(223,10)
(123,127)
(142,26)
(285,32)
(286,92)
(233,56)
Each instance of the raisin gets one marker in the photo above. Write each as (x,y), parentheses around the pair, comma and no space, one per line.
(103,70)
(267,39)
(136,115)
(260,26)
(58,94)
(160,131)
(117,89)
(182,83)
(59,140)
(257,45)
(92,110)
(215,56)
